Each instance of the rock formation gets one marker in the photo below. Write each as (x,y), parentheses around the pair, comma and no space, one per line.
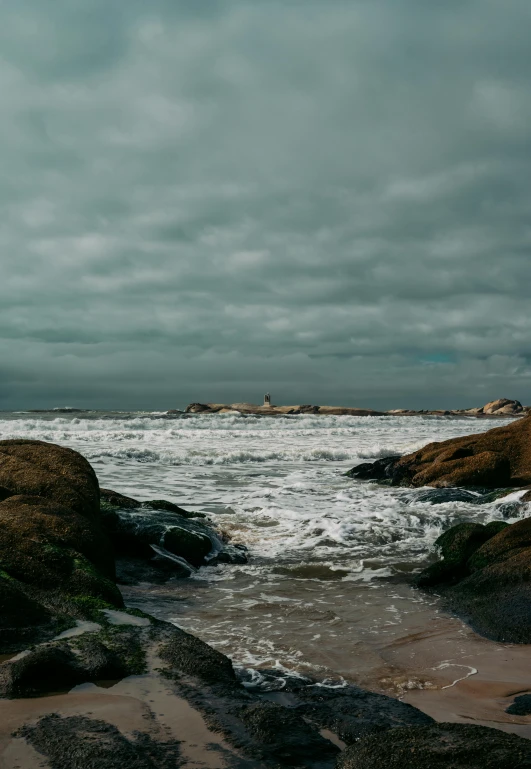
(499,408)
(500,457)
(485,576)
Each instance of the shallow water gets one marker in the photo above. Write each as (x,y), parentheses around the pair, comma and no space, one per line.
(326,591)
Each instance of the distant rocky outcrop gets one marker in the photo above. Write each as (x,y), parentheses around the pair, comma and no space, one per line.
(499,408)
(276,411)
(497,458)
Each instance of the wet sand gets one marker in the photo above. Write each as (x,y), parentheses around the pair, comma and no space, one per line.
(136,704)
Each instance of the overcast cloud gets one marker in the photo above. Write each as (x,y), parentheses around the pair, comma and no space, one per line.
(205,200)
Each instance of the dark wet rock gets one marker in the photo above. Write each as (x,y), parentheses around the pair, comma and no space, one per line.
(112,652)
(457,546)
(49,668)
(184,653)
(114,499)
(381,470)
(352,712)
(492,588)
(16,608)
(439,746)
(197,408)
(461,541)
(192,545)
(133,570)
(521,706)
(51,472)
(134,531)
(236,554)
(497,458)
(78,742)
(285,735)
(140,528)
(442,496)
(170,507)
(22,618)
(509,541)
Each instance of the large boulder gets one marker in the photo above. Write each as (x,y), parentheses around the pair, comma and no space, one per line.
(52,472)
(503,406)
(55,556)
(495,459)
(485,576)
(39,540)
(439,746)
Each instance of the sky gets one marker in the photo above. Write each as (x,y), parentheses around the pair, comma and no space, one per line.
(202,201)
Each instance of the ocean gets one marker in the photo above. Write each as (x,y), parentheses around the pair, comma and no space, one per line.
(326,592)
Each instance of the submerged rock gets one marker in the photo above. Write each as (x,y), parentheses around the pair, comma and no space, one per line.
(439,746)
(497,458)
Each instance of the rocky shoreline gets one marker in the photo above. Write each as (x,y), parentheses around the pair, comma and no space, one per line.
(485,571)
(503,407)
(64,545)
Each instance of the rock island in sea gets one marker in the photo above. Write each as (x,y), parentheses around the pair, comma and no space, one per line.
(502,407)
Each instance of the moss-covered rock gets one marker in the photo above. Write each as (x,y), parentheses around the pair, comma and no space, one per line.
(509,540)
(53,549)
(457,547)
(51,472)
(492,589)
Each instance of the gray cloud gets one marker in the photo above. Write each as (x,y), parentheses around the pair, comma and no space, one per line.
(329,200)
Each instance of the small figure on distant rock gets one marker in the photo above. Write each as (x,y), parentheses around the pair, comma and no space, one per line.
(267,400)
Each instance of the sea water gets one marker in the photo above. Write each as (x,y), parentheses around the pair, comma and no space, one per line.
(327,588)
